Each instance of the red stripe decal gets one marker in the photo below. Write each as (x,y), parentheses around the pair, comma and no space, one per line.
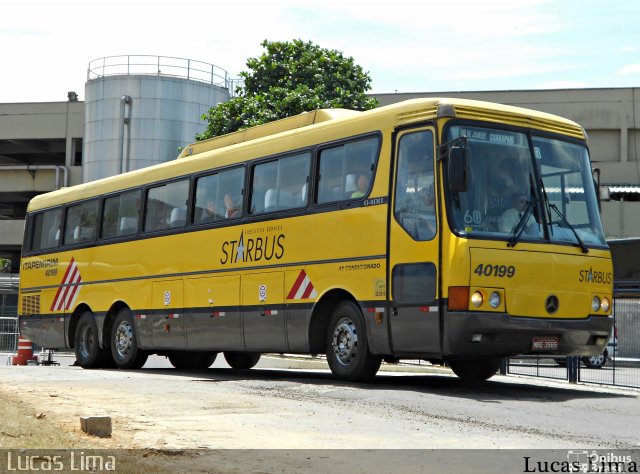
(296,285)
(307,291)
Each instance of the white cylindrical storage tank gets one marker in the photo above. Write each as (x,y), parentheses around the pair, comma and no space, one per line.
(140,109)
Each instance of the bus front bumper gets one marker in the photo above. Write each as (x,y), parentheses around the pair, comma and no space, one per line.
(498,334)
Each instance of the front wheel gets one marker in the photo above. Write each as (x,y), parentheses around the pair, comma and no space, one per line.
(475,371)
(242,360)
(347,347)
(192,360)
(124,343)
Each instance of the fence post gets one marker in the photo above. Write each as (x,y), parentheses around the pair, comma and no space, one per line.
(573,368)
(504,363)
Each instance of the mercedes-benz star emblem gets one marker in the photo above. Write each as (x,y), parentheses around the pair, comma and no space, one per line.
(552,304)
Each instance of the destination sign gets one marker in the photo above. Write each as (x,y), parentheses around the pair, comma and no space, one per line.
(502,137)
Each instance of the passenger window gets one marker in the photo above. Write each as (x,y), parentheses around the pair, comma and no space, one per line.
(167,206)
(219,196)
(281,184)
(81,223)
(121,215)
(346,171)
(46,230)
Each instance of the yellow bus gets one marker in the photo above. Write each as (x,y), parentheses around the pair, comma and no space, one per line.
(441,229)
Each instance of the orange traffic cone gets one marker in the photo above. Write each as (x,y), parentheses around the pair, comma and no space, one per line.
(25,352)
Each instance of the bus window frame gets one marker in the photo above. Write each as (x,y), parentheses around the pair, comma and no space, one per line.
(310,151)
(377,134)
(167,229)
(30,229)
(120,193)
(191,223)
(98,224)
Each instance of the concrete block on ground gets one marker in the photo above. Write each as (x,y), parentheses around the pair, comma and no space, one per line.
(96,425)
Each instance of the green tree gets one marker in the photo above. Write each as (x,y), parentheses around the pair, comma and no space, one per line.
(287,79)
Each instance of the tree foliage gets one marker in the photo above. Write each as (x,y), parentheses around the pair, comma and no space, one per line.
(287,79)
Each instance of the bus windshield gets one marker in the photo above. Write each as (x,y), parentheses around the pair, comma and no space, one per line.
(517,190)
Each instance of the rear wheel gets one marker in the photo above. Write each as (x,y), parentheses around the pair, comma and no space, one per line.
(347,347)
(242,360)
(596,361)
(192,360)
(475,371)
(87,345)
(124,343)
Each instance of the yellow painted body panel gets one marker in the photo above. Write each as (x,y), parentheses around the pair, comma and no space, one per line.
(541,273)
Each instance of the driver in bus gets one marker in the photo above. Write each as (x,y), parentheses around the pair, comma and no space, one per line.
(510,218)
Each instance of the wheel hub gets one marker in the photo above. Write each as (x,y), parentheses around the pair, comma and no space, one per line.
(123,339)
(345,341)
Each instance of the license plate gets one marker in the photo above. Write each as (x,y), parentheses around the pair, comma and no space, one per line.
(549,343)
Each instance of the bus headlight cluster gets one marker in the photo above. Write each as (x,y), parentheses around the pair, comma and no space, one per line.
(600,304)
(488,299)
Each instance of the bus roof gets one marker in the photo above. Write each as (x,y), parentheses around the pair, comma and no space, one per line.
(196,157)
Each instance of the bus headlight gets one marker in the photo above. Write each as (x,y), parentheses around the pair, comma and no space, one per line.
(605,305)
(494,299)
(595,303)
(476,299)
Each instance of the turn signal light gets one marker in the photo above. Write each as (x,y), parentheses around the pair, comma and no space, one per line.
(458,298)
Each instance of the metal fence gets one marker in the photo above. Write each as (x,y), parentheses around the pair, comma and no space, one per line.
(158,66)
(8,324)
(8,313)
(620,362)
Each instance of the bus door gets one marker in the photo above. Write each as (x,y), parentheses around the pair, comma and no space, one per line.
(413,246)
(167,325)
(263,312)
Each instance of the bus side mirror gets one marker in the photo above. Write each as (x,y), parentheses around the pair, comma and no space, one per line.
(595,173)
(458,169)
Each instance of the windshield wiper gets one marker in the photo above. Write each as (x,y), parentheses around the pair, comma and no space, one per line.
(568,224)
(522,224)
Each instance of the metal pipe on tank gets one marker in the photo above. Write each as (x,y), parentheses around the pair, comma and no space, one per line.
(65,182)
(124,119)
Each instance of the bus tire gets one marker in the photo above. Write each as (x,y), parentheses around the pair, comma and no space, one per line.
(475,371)
(347,347)
(124,343)
(597,361)
(242,360)
(185,360)
(86,342)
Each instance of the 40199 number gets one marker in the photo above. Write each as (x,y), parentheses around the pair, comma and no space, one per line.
(500,271)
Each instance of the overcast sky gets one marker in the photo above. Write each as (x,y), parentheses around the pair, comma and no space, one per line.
(407,46)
